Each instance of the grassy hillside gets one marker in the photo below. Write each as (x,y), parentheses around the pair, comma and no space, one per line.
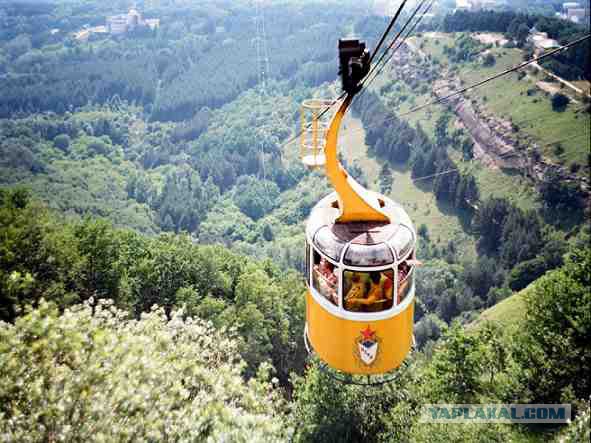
(559,137)
(524,102)
(500,183)
(402,98)
(416,198)
(507,312)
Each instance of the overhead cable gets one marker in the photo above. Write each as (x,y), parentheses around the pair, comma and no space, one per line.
(340,97)
(386,32)
(482,82)
(379,66)
(500,74)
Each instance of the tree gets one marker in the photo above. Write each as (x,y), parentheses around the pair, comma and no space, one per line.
(418,166)
(99,147)
(18,45)
(386,179)
(482,275)
(522,33)
(423,232)
(560,196)
(554,348)
(92,373)
(430,327)
(268,232)
(526,272)
(467,150)
(522,237)
(98,271)
(456,367)
(489,60)
(580,428)
(489,222)
(330,411)
(62,141)
(441,131)
(255,197)
(559,102)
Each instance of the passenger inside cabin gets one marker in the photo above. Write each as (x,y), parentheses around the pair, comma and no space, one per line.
(369,292)
(356,294)
(325,279)
(327,270)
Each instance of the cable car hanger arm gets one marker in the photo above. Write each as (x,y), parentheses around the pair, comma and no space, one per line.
(356,204)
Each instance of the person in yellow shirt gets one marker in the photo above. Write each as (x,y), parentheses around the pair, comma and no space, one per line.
(357,297)
(356,292)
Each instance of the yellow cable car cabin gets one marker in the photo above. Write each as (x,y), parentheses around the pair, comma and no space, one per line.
(360,260)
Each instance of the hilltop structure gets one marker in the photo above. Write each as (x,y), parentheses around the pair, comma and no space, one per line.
(119,25)
(124,23)
(575,12)
(477,5)
(541,41)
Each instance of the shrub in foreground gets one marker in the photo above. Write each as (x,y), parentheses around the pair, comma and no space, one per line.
(92,374)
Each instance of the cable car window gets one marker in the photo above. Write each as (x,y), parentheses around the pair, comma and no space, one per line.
(307,266)
(368,255)
(402,241)
(405,281)
(368,291)
(325,279)
(326,241)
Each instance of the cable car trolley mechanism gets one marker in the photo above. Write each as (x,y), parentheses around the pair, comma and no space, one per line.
(360,257)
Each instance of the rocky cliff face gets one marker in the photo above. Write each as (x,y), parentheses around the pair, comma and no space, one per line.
(495,141)
(493,145)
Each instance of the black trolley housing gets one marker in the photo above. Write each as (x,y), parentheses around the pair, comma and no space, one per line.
(353,63)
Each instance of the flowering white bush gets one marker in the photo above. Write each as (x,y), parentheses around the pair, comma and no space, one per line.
(92,374)
(580,429)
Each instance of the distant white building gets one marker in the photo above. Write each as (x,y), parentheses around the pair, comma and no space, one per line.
(380,7)
(463,5)
(576,15)
(484,4)
(152,23)
(386,8)
(117,24)
(569,5)
(134,19)
(123,23)
(541,41)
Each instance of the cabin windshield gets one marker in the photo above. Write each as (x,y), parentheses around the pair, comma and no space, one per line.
(326,241)
(402,241)
(368,291)
(368,255)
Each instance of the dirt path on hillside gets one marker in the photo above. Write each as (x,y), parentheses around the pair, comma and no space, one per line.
(575,88)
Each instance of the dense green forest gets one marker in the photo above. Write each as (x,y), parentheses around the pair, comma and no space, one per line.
(63,361)
(151,234)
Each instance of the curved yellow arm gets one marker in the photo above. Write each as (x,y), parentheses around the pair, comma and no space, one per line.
(355,202)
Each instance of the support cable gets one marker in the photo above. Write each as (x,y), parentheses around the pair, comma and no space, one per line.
(386,32)
(376,50)
(482,82)
(380,64)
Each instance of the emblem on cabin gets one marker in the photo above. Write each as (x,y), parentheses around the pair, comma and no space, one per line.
(367,346)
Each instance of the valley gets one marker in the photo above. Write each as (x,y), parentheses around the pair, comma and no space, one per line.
(153,204)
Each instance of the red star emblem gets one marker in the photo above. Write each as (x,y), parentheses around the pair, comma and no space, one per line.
(367,333)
